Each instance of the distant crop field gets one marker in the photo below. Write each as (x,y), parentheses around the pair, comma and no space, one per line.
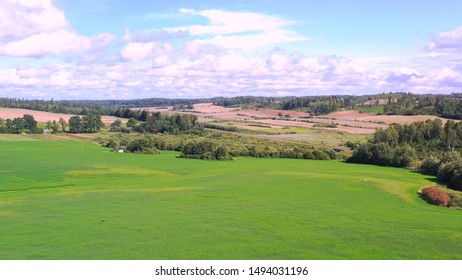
(76,200)
(40,116)
(387,119)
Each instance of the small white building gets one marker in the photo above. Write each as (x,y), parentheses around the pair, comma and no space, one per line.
(121,151)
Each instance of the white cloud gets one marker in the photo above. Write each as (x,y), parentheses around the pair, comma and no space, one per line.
(244,30)
(12,77)
(233,61)
(153,35)
(224,22)
(209,60)
(115,73)
(37,28)
(448,77)
(20,19)
(61,78)
(54,43)
(256,41)
(135,52)
(448,40)
(279,62)
(224,72)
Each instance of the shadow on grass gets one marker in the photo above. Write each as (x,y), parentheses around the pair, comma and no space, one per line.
(38,188)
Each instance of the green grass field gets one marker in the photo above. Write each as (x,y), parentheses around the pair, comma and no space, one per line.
(375,109)
(76,200)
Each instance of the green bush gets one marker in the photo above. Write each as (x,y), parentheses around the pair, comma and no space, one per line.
(456,199)
(142,146)
(403,156)
(451,173)
(430,166)
(221,146)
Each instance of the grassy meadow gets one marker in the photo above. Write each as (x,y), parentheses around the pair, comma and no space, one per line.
(375,109)
(76,200)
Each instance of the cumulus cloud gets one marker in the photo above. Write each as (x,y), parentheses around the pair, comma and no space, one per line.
(246,30)
(224,22)
(448,77)
(37,28)
(206,60)
(20,19)
(448,40)
(55,43)
(135,51)
(403,75)
(154,35)
(225,30)
(226,72)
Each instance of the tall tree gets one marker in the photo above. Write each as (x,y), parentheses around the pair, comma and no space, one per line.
(75,124)
(63,124)
(30,123)
(2,125)
(18,125)
(92,123)
(116,125)
(55,127)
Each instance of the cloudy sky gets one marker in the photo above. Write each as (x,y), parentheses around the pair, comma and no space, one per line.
(120,49)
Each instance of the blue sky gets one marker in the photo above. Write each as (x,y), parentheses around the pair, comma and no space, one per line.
(102,49)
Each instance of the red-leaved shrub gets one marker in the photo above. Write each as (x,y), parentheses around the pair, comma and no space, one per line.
(436,196)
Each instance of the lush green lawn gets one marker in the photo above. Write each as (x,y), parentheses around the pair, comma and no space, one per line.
(75,200)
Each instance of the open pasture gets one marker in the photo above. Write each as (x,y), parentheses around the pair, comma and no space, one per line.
(76,200)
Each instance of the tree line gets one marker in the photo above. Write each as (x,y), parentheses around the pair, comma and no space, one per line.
(447,106)
(27,124)
(86,124)
(320,105)
(92,106)
(434,147)
(157,122)
(251,101)
(139,121)
(18,125)
(397,103)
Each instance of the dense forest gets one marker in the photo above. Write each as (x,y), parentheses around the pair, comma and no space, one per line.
(60,106)
(251,101)
(315,105)
(438,105)
(398,103)
(108,107)
(434,146)
(97,107)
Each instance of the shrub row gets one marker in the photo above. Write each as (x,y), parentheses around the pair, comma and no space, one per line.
(448,169)
(214,145)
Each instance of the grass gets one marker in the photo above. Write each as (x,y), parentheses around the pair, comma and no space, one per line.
(375,109)
(15,137)
(310,136)
(325,138)
(75,200)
